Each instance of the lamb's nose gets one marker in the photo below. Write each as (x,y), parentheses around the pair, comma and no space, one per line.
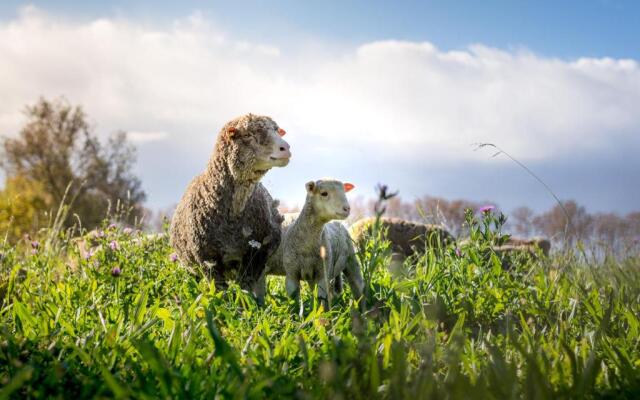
(346,209)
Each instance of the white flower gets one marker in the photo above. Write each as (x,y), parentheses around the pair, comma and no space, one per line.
(255,244)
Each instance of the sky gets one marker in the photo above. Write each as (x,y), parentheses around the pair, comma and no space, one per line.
(369,92)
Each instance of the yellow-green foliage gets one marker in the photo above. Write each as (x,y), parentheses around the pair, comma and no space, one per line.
(22,205)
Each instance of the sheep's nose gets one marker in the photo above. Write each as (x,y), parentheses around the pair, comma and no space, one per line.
(283,151)
(346,208)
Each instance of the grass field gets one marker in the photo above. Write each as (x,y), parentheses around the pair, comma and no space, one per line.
(454,324)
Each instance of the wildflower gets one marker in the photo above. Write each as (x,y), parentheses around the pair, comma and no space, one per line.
(114,245)
(35,245)
(255,244)
(34,251)
(89,254)
(383,195)
(458,252)
(115,272)
(97,233)
(127,231)
(113,226)
(487,209)
(173,257)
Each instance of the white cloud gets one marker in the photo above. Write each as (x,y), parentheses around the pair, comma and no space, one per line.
(401,101)
(144,137)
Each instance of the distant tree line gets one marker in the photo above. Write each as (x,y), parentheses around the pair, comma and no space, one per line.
(565,225)
(55,163)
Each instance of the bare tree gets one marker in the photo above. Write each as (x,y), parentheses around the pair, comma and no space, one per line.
(450,213)
(554,223)
(522,221)
(608,229)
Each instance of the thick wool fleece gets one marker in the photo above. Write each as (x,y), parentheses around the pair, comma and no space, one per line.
(226,220)
(406,237)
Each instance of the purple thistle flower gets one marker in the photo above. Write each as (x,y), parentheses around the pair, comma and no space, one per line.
(112,226)
(34,251)
(127,231)
(173,257)
(114,245)
(35,244)
(487,208)
(115,272)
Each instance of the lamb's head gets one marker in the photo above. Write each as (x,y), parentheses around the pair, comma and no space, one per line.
(327,198)
(252,145)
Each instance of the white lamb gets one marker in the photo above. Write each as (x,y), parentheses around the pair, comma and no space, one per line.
(317,250)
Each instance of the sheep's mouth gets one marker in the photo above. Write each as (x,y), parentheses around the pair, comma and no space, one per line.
(279,161)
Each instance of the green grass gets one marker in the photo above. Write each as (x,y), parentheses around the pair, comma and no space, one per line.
(450,326)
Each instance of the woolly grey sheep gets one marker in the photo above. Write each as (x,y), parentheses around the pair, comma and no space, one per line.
(529,245)
(406,237)
(226,220)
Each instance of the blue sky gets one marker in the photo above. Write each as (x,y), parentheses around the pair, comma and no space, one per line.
(394,92)
(566,29)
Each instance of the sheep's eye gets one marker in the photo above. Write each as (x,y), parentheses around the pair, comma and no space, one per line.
(324,194)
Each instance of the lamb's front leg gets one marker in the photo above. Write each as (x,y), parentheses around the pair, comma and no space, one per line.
(354,277)
(292,285)
(323,292)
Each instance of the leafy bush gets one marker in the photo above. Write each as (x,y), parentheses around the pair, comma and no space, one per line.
(22,202)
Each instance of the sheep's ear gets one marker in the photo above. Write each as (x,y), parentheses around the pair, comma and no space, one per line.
(348,186)
(233,131)
(311,185)
(281,132)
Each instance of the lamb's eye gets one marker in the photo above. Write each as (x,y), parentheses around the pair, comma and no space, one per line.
(324,194)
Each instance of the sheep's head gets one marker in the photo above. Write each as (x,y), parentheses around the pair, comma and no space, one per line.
(252,145)
(328,198)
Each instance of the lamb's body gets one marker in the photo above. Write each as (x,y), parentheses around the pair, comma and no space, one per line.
(301,248)
(226,220)
(274,264)
(406,237)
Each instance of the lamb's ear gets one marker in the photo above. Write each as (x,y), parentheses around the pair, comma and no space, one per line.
(281,132)
(232,132)
(311,185)
(348,186)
